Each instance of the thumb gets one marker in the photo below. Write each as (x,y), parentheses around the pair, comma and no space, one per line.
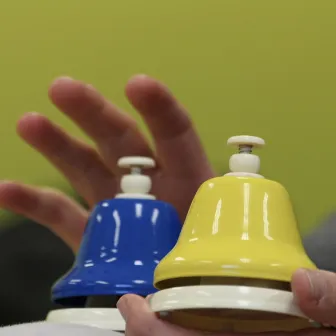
(141,321)
(315,293)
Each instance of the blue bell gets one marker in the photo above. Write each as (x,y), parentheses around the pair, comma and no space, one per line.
(124,240)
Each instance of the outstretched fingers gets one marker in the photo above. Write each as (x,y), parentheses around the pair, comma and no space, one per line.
(77,161)
(115,132)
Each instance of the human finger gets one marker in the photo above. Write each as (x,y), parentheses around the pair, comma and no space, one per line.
(141,321)
(176,141)
(315,293)
(54,210)
(77,161)
(115,132)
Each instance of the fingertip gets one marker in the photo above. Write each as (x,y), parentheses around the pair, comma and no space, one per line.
(301,286)
(140,88)
(64,88)
(29,118)
(58,84)
(300,279)
(10,193)
(131,303)
(158,106)
(32,126)
(131,300)
(10,197)
(122,306)
(304,293)
(61,80)
(141,79)
(6,185)
(148,298)
(141,319)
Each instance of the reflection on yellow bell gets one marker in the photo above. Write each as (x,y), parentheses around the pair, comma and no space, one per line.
(232,265)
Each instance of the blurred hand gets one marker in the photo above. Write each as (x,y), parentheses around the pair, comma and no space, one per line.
(314,291)
(181,162)
(181,167)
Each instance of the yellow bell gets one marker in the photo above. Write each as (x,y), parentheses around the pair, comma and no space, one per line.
(232,265)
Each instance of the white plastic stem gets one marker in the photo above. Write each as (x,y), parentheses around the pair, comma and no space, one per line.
(136,185)
(245,163)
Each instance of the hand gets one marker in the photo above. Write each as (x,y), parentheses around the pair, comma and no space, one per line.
(181,162)
(314,291)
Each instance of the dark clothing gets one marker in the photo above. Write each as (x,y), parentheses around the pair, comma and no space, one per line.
(321,244)
(31,260)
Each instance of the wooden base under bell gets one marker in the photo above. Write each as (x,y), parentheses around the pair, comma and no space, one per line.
(213,320)
(237,320)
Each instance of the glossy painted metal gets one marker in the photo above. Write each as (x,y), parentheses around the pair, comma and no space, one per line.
(123,242)
(238,227)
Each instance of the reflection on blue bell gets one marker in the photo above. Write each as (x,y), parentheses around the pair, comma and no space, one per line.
(124,240)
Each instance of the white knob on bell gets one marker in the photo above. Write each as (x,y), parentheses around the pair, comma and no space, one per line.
(136,185)
(245,163)
(139,162)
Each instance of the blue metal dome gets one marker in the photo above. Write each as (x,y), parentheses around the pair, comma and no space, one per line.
(123,242)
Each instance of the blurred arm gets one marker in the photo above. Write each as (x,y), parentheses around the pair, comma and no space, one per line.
(31,260)
(321,244)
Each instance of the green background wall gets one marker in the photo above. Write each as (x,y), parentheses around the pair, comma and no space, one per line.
(252,66)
